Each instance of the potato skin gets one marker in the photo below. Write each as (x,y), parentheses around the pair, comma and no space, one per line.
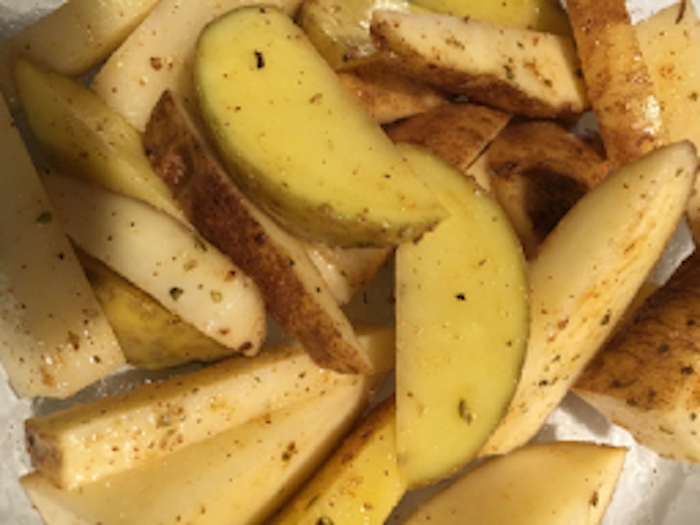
(647,378)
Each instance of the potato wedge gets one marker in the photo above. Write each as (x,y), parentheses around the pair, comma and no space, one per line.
(360,483)
(462,319)
(538,171)
(564,483)
(165,258)
(617,79)
(48,311)
(84,137)
(294,292)
(92,441)
(149,334)
(516,70)
(245,473)
(72,39)
(158,55)
(456,132)
(583,283)
(258,77)
(388,97)
(645,379)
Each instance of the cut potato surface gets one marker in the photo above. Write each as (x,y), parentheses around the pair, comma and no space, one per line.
(297,142)
(462,320)
(564,483)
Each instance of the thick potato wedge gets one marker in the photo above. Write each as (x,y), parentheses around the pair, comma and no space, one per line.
(360,483)
(295,294)
(462,319)
(538,171)
(84,137)
(338,178)
(150,335)
(245,473)
(456,132)
(516,70)
(72,39)
(82,444)
(582,283)
(158,56)
(645,379)
(48,311)
(388,97)
(617,79)
(565,483)
(164,258)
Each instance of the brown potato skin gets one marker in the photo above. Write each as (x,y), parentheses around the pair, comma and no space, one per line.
(647,377)
(538,171)
(455,132)
(295,295)
(617,79)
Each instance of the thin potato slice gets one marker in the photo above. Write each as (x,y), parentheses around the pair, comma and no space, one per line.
(516,70)
(56,340)
(295,294)
(582,282)
(462,319)
(617,79)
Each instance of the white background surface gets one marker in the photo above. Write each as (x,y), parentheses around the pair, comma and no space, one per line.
(651,491)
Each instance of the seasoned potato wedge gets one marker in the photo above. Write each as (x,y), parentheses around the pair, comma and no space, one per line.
(84,137)
(258,77)
(538,171)
(582,283)
(295,294)
(462,319)
(72,39)
(645,379)
(617,79)
(48,310)
(159,54)
(388,97)
(516,70)
(456,132)
(246,472)
(165,258)
(360,483)
(565,483)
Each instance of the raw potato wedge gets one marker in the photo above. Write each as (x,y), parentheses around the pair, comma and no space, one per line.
(564,483)
(539,15)
(72,39)
(337,178)
(387,96)
(456,132)
(158,56)
(582,282)
(340,29)
(516,70)
(360,483)
(617,79)
(92,441)
(462,319)
(149,334)
(294,292)
(84,137)
(669,41)
(645,379)
(240,476)
(47,309)
(164,258)
(538,171)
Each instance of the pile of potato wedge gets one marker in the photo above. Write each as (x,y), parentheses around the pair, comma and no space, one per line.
(353,248)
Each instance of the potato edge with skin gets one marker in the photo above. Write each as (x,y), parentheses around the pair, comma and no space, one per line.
(355,190)
(574,310)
